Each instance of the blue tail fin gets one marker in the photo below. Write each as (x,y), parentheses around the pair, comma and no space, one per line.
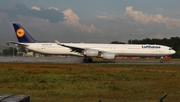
(22,35)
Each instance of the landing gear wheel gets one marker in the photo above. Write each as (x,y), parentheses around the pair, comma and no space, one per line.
(161,60)
(87,59)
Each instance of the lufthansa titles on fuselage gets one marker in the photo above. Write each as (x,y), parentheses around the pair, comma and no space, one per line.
(150,46)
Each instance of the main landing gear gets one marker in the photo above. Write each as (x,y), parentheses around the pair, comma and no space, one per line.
(87,59)
(161,59)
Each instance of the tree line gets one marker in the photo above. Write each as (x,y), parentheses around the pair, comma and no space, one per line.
(13,51)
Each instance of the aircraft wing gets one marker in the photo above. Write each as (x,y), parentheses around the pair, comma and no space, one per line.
(73,49)
(16,43)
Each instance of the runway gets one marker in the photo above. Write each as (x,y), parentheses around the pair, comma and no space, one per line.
(42,59)
(80,60)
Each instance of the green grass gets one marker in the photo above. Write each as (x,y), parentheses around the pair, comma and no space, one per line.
(46,82)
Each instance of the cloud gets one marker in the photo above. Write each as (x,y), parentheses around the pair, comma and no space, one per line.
(36,8)
(105,16)
(141,25)
(71,19)
(142,18)
(145,19)
(67,26)
(108,17)
(53,8)
(49,14)
(102,17)
(55,20)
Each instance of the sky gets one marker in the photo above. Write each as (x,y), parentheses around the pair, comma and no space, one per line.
(90,21)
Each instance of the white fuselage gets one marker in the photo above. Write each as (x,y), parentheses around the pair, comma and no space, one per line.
(117,49)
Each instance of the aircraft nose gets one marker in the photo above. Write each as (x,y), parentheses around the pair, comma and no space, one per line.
(173,52)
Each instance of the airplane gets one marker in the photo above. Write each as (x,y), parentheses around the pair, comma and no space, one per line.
(89,50)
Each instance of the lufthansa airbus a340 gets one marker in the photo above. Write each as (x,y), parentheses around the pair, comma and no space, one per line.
(88,50)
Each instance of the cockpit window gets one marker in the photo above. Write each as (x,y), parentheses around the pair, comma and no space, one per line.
(170,48)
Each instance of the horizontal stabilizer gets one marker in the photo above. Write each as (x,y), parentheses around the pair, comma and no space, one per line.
(16,43)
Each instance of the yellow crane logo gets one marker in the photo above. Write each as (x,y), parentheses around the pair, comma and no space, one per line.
(20,32)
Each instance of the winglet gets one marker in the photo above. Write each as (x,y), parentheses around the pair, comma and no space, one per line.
(58,43)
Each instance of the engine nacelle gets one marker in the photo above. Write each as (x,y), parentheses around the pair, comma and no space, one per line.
(91,52)
(108,56)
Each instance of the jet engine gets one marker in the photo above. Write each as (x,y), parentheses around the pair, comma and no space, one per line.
(108,56)
(91,52)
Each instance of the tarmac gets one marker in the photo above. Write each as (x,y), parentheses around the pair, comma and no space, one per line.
(42,59)
(80,60)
